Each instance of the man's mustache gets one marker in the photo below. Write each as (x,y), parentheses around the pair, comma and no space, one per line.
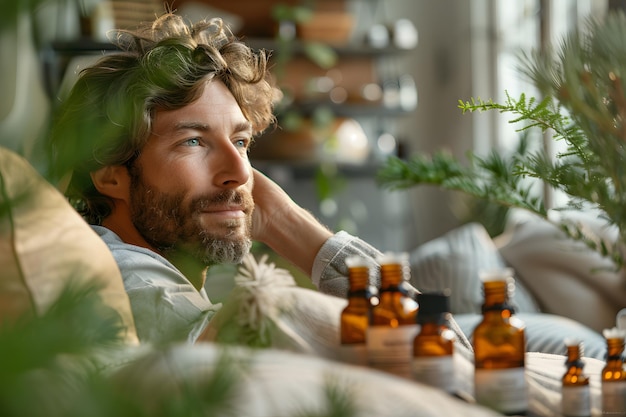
(228,197)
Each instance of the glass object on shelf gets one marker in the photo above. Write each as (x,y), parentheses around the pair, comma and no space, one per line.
(377,36)
(404,34)
(348,143)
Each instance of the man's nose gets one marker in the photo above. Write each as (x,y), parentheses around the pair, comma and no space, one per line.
(233,166)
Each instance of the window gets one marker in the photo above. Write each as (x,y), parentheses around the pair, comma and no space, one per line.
(508,28)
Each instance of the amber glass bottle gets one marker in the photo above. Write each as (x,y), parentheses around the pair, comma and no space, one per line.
(575,394)
(499,349)
(356,315)
(613,374)
(393,323)
(433,347)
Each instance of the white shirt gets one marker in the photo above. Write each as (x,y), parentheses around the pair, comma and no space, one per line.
(167,307)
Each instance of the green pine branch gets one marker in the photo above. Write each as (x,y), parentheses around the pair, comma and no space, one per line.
(494,178)
(583,106)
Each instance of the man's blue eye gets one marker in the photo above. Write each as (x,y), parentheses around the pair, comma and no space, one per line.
(242,143)
(192,142)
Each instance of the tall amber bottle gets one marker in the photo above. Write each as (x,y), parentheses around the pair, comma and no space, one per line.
(499,349)
(433,347)
(575,394)
(393,323)
(356,315)
(613,374)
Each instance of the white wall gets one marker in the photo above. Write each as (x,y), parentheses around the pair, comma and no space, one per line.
(24,105)
(442,68)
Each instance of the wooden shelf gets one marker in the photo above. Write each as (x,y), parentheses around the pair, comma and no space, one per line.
(341,50)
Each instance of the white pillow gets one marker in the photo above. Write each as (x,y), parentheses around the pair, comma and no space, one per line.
(565,276)
(546,333)
(273,382)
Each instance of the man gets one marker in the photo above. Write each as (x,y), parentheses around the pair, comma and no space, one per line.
(156,140)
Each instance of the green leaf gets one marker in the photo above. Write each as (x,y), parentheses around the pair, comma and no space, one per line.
(321,54)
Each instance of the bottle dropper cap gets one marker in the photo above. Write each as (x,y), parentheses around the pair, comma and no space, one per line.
(433,303)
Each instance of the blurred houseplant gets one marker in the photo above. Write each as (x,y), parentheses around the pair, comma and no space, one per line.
(584,105)
(308,124)
(63,363)
(288,18)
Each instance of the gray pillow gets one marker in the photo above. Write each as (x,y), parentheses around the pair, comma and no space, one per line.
(454,260)
(546,333)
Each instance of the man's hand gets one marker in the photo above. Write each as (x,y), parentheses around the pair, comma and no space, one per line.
(271,203)
(284,226)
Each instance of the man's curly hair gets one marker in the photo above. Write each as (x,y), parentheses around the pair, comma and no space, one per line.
(107,117)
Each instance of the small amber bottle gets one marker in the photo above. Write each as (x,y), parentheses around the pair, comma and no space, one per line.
(575,394)
(433,347)
(613,374)
(356,315)
(499,349)
(393,323)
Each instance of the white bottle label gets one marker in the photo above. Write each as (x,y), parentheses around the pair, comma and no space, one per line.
(503,390)
(437,371)
(390,349)
(613,398)
(355,354)
(576,401)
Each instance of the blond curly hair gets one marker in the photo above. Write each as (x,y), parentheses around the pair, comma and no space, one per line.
(107,117)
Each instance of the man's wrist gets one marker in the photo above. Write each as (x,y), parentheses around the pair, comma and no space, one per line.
(298,236)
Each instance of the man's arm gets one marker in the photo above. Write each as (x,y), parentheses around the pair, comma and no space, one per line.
(288,229)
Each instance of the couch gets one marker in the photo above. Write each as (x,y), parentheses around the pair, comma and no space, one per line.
(278,341)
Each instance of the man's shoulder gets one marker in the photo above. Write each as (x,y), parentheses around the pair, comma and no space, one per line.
(143,269)
(119,247)
(135,260)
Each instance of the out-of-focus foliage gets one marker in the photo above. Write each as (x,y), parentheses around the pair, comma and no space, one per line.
(584,105)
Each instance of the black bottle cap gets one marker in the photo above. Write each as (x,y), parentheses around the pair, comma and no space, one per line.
(433,303)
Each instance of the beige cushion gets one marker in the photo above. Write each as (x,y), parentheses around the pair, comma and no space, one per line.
(45,244)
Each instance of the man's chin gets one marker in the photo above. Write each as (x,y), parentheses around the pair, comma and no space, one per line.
(227,251)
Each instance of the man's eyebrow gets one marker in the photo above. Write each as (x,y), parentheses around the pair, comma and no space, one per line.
(243,127)
(239,127)
(192,125)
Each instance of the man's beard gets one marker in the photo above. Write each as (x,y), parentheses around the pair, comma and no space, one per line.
(171,226)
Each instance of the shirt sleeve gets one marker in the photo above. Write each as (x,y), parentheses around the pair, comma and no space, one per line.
(330,274)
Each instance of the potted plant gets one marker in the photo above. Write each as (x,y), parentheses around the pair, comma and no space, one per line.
(583,104)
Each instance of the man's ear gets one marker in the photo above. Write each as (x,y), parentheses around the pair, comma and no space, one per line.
(112,181)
